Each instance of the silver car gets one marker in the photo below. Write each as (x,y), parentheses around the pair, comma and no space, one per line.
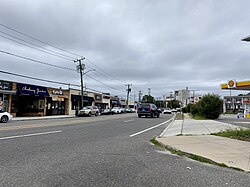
(88,111)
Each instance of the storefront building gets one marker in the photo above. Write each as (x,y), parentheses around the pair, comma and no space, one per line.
(58,102)
(114,102)
(106,100)
(7,90)
(76,98)
(31,100)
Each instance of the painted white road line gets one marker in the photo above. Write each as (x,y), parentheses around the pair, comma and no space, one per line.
(28,135)
(128,120)
(242,122)
(148,129)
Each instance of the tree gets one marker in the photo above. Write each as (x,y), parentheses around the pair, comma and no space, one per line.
(148,99)
(173,104)
(210,106)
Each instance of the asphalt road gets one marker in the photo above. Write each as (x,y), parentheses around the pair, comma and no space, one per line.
(100,151)
(232,119)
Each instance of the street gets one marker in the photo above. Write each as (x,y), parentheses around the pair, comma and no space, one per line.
(232,119)
(100,151)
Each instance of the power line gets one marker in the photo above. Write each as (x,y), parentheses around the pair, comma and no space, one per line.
(63,55)
(33,47)
(37,61)
(104,71)
(19,32)
(38,39)
(104,84)
(39,79)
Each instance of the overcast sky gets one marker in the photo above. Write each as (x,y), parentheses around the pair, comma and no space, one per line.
(164,45)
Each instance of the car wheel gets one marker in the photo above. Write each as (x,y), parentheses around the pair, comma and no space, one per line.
(4,119)
(139,116)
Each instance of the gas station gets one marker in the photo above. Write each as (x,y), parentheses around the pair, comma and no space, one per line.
(244,86)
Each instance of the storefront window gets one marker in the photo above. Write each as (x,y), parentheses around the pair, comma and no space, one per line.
(41,104)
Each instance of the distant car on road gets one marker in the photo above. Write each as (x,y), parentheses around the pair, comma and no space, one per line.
(88,111)
(148,109)
(240,115)
(107,112)
(5,117)
(174,110)
(167,111)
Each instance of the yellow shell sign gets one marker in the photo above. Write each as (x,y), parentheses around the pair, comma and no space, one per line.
(231,84)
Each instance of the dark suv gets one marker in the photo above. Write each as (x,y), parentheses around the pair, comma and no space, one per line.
(148,109)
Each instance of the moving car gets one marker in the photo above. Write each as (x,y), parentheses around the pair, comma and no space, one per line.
(107,112)
(148,109)
(5,117)
(88,111)
(167,111)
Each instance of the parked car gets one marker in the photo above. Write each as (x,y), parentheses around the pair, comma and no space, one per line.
(148,109)
(88,111)
(116,110)
(240,115)
(167,111)
(129,110)
(107,112)
(174,110)
(5,117)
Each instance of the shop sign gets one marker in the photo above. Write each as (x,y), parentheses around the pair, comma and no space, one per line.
(231,84)
(57,92)
(32,90)
(5,85)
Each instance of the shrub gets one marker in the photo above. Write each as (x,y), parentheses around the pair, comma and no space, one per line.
(210,106)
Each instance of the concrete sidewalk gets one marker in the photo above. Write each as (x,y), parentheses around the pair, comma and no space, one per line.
(42,117)
(233,153)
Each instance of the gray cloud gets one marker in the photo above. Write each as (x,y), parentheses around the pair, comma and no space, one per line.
(162,45)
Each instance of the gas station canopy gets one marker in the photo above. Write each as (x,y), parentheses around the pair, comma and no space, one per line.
(233,85)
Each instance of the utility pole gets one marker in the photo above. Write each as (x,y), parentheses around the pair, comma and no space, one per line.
(140,94)
(128,91)
(149,91)
(81,68)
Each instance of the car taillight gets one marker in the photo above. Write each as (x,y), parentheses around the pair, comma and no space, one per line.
(150,109)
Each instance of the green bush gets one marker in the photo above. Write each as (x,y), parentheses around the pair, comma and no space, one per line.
(210,106)
(194,109)
(184,110)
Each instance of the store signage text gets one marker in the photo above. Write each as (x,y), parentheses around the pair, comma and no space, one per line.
(57,92)
(5,85)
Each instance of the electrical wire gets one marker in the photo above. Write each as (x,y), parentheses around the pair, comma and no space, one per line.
(60,54)
(37,61)
(104,71)
(39,79)
(104,83)
(5,26)
(34,47)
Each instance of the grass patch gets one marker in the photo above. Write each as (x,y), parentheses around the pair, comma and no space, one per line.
(197,117)
(239,134)
(191,156)
(179,116)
